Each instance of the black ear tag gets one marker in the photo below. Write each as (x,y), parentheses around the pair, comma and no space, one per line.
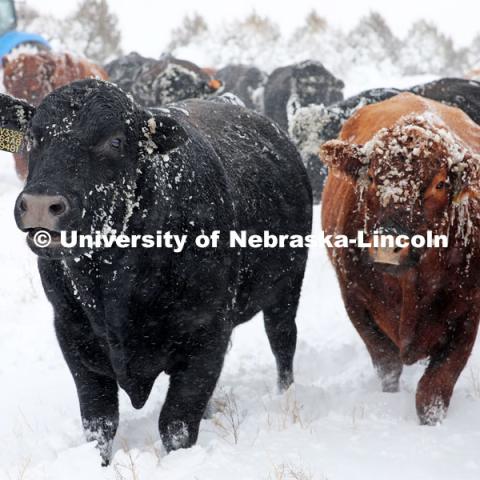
(10,140)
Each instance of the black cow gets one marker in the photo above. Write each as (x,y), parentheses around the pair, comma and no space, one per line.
(125,70)
(246,82)
(294,86)
(158,82)
(99,162)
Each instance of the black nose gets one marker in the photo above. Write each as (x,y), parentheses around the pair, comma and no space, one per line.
(40,211)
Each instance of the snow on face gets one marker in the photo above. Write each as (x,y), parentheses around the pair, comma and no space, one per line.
(404,162)
(70,147)
(306,126)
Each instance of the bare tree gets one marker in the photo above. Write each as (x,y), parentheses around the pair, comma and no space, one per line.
(26,15)
(93,30)
(315,22)
(261,26)
(474,55)
(373,39)
(427,50)
(31,20)
(191,27)
(314,25)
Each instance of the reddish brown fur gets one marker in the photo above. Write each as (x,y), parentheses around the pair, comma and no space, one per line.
(430,308)
(33,76)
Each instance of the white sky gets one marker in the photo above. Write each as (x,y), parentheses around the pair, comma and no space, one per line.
(146,24)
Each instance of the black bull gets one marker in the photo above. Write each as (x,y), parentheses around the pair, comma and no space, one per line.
(99,162)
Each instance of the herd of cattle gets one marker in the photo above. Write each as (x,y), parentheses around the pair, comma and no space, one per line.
(166,146)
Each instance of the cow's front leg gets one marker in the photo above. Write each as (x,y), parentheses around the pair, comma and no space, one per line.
(436,386)
(191,387)
(97,396)
(383,352)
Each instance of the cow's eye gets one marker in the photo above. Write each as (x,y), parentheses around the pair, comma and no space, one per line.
(116,143)
(441,185)
(370,178)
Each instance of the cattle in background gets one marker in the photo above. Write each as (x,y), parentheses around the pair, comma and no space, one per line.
(405,166)
(159,82)
(125,70)
(123,316)
(294,86)
(32,76)
(313,125)
(290,88)
(246,82)
(457,92)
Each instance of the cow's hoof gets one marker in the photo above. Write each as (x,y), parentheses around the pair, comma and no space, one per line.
(285,380)
(390,385)
(390,388)
(433,414)
(176,436)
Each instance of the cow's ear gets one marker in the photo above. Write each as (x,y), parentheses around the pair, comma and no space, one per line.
(214,84)
(343,156)
(166,133)
(14,117)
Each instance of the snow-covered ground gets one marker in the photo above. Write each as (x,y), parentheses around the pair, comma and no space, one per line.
(334,424)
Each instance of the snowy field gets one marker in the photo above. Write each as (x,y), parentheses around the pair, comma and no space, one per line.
(333,424)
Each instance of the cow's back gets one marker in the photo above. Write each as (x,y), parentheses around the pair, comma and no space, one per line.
(260,161)
(367,121)
(269,189)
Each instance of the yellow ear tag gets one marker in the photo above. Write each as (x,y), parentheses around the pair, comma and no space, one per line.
(10,140)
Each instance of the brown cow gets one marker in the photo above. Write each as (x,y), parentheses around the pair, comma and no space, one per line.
(405,166)
(32,76)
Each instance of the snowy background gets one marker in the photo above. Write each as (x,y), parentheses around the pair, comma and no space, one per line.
(333,424)
(375,47)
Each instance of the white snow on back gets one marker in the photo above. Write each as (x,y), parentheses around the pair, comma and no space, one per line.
(403,185)
(305,127)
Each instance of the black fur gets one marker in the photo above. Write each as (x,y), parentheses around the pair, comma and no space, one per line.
(124,316)
(15,114)
(294,86)
(457,92)
(158,82)
(244,81)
